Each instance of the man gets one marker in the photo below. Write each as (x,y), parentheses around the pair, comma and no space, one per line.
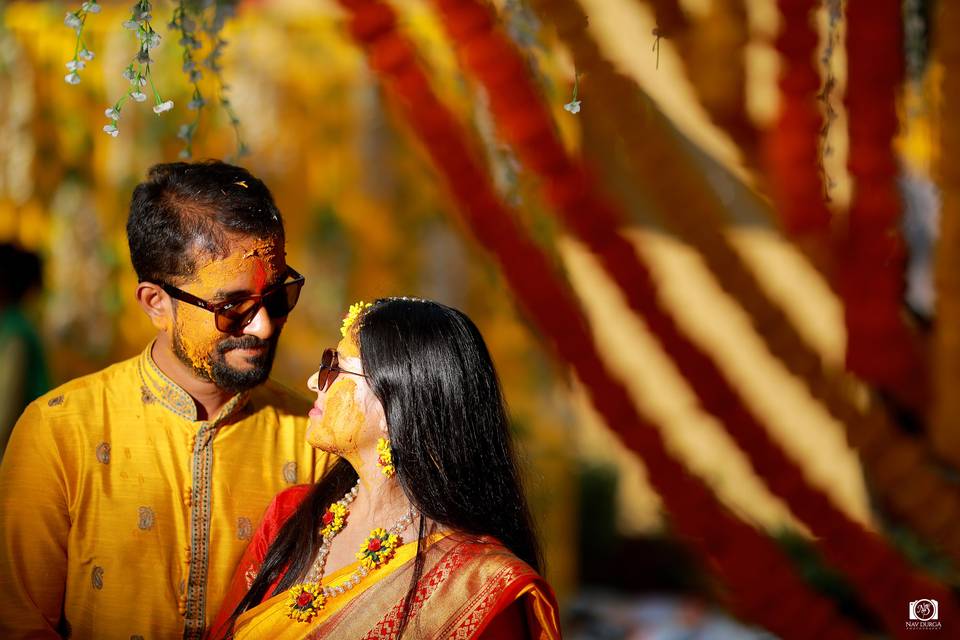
(127,496)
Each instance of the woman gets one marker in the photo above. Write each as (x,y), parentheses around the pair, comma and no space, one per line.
(421,530)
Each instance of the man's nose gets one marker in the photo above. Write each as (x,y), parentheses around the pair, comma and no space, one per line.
(261,326)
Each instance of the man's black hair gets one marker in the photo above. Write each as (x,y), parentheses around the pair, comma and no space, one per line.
(185,210)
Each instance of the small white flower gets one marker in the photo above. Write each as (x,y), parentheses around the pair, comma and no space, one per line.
(72,78)
(90,7)
(111,129)
(196,103)
(163,106)
(142,16)
(138,96)
(73,20)
(143,57)
(573,106)
(152,40)
(129,73)
(133,25)
(195,75)
(86,54)
(113,113)
(75,65)
(184,154)
(185,132)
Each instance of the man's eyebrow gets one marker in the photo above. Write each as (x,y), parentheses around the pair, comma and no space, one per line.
(224,294)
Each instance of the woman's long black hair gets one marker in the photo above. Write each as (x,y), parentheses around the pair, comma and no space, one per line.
(429,366)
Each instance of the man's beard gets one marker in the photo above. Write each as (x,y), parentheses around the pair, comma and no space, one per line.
(222,374)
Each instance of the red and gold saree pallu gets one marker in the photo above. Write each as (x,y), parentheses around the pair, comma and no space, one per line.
(465,585)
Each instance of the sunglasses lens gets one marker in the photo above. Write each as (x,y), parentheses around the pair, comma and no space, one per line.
(235,318)
(328,370)
(281,302)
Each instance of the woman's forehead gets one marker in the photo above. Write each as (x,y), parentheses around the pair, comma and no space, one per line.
(348,348)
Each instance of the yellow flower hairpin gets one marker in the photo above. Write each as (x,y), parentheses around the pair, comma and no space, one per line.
(355,310)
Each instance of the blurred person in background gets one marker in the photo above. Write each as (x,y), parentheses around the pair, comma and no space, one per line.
(128,496)
(422,529)
(23,366)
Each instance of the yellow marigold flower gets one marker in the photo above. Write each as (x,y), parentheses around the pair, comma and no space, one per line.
(354,312)
(385,457)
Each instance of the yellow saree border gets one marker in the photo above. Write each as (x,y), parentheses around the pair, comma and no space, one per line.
(273,612)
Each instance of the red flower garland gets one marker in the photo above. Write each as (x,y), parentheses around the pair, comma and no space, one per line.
(792,143)
(523,120)
(764,588)
(871,281)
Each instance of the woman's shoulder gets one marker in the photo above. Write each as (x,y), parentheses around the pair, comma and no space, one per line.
(486,554)
(283,505)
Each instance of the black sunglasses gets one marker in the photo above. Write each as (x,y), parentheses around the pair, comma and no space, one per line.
(330,369)
(233,316)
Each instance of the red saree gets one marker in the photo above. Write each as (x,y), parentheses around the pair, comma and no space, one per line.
(470,588)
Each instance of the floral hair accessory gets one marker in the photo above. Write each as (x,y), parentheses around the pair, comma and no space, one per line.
(378,549)
(305,601)
(355,310)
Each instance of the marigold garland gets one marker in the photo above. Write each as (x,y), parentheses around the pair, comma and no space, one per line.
(552,306)
(792,144)
(947,329)
(912,491)
(385,457)
(595,220)
(871,265)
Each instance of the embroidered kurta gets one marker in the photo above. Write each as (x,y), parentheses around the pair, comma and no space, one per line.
(123,516)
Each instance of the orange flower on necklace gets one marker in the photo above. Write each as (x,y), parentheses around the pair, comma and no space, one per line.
(305,601)
(378,549)
(333,519)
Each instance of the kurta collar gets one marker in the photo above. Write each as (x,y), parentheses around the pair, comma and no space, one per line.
(157,387)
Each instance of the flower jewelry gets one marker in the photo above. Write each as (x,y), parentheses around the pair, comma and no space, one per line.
(308,598)
(306,601)
(352,315)
(333,519)
(385,457)
(378,549)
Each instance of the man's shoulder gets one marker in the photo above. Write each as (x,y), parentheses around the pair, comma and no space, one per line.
(115,379)
(282,398)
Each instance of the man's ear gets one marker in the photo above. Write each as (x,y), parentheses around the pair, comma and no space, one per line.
(156,304)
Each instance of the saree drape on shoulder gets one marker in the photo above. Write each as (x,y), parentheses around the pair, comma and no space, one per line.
(465,585)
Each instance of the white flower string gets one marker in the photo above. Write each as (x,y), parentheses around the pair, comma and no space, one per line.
(76,20)
(574,105)
(187,14)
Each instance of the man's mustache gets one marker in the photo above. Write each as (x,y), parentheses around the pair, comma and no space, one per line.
(243,342)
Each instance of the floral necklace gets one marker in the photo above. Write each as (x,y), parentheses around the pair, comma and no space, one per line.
(308,598)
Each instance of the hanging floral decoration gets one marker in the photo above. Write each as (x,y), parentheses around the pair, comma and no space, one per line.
(871,261)
(333,519)
(553,308)
(792,144)
(698,217)
(210,16)
(489,56)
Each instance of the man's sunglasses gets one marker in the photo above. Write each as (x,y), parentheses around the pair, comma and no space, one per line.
(233,316)
(330,369)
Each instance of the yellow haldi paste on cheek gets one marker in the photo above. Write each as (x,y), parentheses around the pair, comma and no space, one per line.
(341,422)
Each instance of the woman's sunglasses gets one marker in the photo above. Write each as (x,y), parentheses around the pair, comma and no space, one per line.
(233,316)
(330,369)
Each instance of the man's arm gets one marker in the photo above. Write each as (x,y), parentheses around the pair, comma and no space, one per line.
(34,524)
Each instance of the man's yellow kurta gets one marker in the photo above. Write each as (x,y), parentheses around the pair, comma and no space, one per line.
(122,516)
